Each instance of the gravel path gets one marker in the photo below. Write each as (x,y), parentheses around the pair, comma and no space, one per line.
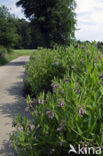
(11,100)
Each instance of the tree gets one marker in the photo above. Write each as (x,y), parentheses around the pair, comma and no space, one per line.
(8,35)
(54,20)
(24,31)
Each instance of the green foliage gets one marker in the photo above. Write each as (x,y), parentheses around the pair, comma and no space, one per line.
(44,66)
(8,36)
(72,113)
(3,51)
(53,20)
(23,29)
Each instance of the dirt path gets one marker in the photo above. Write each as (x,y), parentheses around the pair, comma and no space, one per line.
(11,100)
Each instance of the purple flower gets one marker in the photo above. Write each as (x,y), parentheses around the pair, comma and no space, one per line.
(20,128)
(59,129)
(26,109)
(66,80)
(101,77)
(50,114)
(10,145)
(82,112)
(78,91)
(62,124)
(29,127)
(33,101)
(40,101)
(54,85)
(101,57)
(95,60)
(57,63)
(61,144)
(61,104)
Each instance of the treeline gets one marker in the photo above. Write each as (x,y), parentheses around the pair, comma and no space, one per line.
(98,44)
(49,23)
(14,32)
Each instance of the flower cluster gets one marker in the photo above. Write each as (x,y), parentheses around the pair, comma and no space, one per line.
(101,77)
(20,128)
(26,109)
(67,78)
(62,124)
(40,101)
(32,102)
(56,63)
(54,85)
(82,112)
(50,114)
(61,103)
(78,91)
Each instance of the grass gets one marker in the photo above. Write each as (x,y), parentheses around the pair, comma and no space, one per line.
(15,54)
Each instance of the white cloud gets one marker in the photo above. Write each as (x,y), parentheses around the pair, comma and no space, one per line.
(90,19)
(11,4)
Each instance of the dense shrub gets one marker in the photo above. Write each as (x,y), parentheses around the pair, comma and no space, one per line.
(72,114)
(3,51)
(8,35)
(43,67)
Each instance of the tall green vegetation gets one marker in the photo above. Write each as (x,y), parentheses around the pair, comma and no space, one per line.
(67,106)
(8,35)
(23,29)
(54,21)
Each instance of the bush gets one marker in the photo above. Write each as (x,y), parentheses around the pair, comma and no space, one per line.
(72,113)
(42,68)
(3,51)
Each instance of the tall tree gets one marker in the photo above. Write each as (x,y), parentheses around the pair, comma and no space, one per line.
(24,31)
(54,20)
(8,35)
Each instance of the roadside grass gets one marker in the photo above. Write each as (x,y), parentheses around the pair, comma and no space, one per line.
(15,54)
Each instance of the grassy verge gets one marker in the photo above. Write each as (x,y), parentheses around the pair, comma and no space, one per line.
(15,54)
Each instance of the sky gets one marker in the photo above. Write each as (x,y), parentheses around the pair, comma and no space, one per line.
(11,4)
(89,16)
(89,20)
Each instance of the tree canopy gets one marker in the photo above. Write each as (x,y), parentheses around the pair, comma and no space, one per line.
(8,35)
(53,20)
(23,29)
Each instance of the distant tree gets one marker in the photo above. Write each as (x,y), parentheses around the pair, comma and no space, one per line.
(54,20)
(24,31)
(8,35)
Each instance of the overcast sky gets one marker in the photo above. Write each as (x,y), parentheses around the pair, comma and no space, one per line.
(89,18)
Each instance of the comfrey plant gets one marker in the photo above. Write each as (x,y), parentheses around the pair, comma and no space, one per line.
(68,114)
(41,70)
